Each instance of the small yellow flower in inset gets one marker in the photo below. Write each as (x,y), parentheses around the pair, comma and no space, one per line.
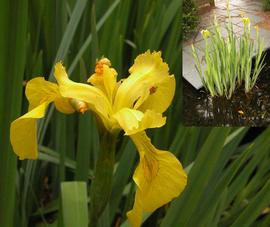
(246,21)
(205,33)
(133,105)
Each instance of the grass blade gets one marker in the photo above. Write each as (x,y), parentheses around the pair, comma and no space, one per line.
(198,179)
(13,39)
(74,204)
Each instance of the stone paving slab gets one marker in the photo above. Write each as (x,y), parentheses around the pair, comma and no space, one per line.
(250,8)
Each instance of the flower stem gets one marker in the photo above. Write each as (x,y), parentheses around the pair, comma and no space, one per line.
(102,183)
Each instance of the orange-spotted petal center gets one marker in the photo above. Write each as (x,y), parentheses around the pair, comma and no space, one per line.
(104,78)
(100,64)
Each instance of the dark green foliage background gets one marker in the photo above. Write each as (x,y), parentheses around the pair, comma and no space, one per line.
(190,18)
(266,4)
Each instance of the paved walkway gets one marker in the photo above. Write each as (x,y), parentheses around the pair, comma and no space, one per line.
(251,8)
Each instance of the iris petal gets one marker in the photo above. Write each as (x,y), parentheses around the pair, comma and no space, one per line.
(94,97)
(161,99)
(135,215)
(148,72)
(106,81)
(38,90)
(23,132)
(133,121)
(156,169)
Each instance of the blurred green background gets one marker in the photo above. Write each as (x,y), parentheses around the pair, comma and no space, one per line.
(228,168)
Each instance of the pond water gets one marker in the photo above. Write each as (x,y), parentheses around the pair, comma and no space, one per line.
(251,109)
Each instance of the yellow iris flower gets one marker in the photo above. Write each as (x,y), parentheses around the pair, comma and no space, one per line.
(205,33)
(133,104)
(246,21)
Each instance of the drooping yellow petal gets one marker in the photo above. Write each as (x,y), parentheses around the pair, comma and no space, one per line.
(38,90)
(133,121)
(104,78)
(23,132)
(135,215)
(159,177)
(94,97)
(147,73)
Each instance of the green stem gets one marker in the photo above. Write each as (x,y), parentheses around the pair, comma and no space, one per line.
(102,183)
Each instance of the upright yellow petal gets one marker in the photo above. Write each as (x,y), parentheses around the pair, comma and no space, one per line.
(161,98)
(38,90)
(104,78)
(156,169)
(133,121)
(23,132)
(94,97)
(147,73)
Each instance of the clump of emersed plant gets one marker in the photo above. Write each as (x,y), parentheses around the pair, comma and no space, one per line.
(229,59)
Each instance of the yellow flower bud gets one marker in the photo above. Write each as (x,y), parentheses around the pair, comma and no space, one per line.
(246,21)
(205,33)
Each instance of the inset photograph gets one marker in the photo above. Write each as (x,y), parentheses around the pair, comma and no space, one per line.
(226,63)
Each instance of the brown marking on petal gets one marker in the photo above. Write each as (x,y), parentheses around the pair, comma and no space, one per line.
(153,90)
(150,166)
